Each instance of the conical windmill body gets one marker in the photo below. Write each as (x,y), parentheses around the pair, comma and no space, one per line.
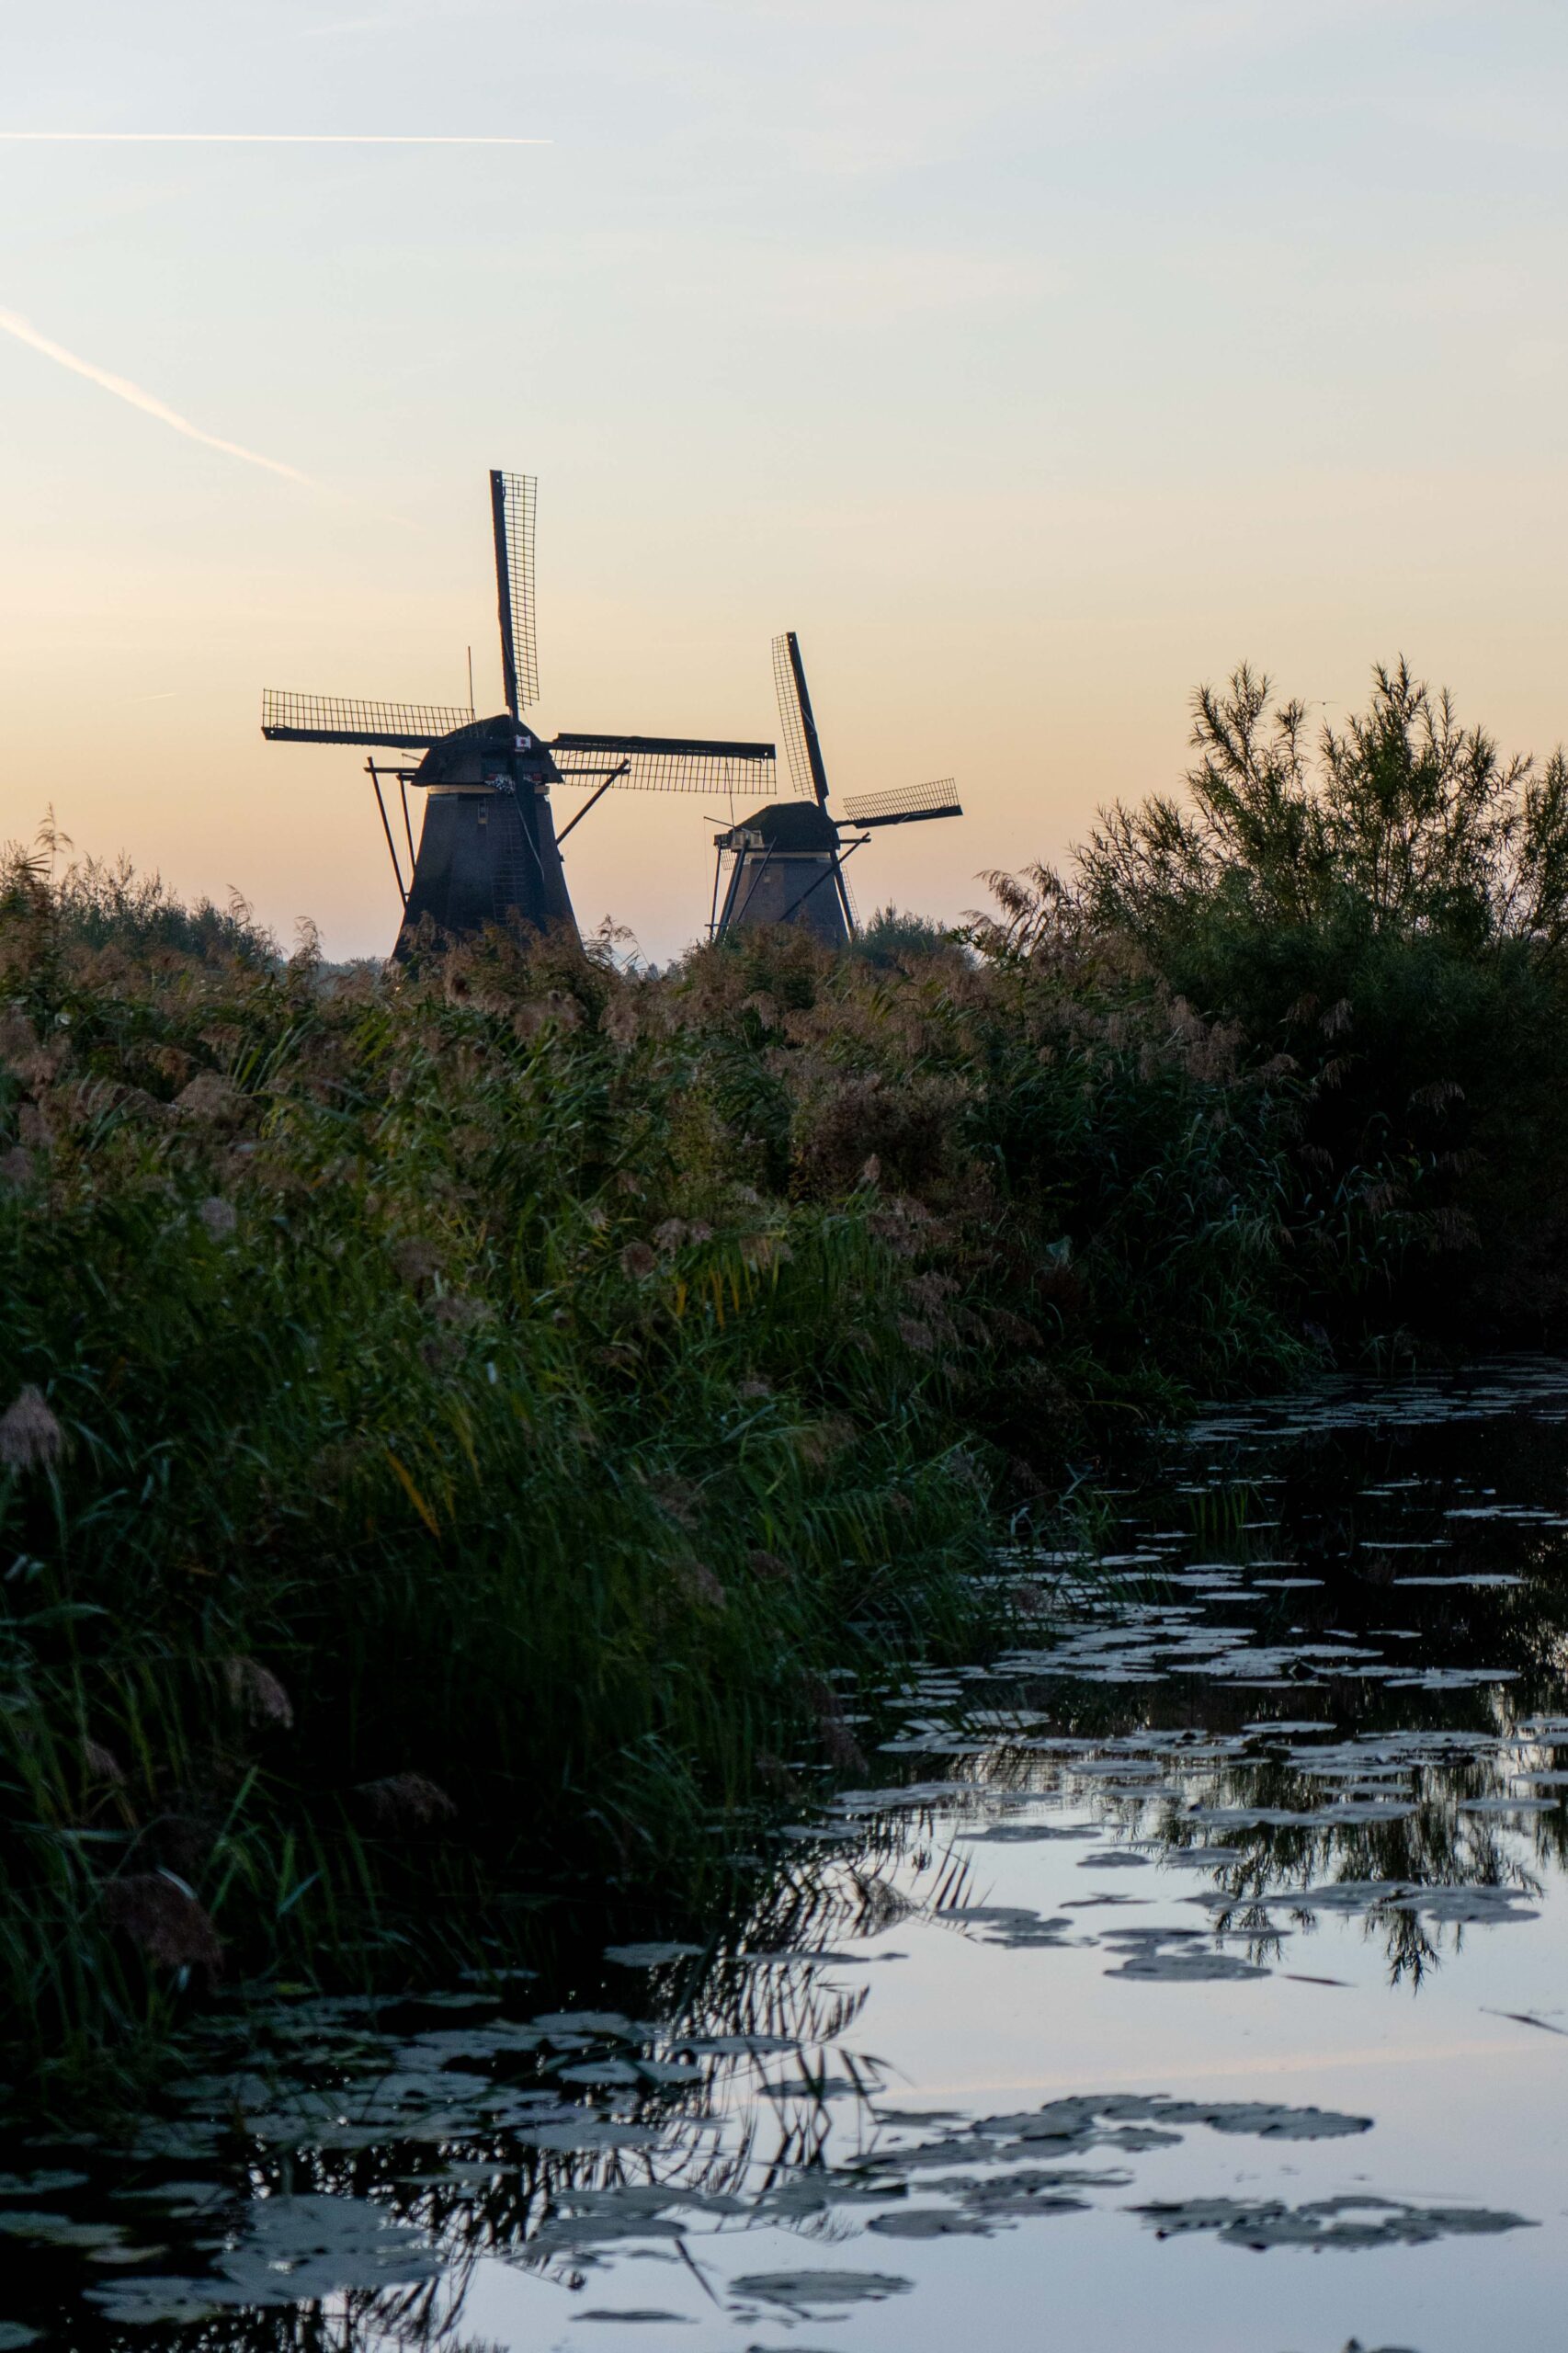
(488,850)
(785,863)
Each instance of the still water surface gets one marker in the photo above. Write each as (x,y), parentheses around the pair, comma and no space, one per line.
(1192,1980)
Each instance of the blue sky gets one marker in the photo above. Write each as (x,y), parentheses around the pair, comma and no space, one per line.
(1034,362)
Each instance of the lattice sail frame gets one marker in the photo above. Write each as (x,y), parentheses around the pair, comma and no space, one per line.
(904,804)
(289,718)
(666,763)
(791,725)
(513,500)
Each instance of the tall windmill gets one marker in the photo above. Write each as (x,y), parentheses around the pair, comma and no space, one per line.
(488,849)
(784,863)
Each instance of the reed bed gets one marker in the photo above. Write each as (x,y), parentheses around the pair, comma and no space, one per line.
(459,1426)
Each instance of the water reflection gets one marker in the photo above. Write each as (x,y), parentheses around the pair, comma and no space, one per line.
(1299,1740)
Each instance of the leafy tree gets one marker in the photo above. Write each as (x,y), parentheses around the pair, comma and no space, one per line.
(1387,905)
(1404,822)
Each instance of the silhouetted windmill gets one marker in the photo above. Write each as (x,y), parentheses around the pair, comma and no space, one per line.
(488,849)
(784,863)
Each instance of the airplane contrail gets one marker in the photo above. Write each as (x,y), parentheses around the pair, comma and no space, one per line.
(25,332)
(269,139)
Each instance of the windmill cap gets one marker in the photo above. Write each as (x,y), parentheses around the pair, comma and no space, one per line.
(786,825)
(487,747)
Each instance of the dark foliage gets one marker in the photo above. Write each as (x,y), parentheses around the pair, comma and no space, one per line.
(893,934)
(1381,911)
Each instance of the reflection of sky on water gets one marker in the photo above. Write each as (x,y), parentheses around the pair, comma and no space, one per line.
(1307,1712)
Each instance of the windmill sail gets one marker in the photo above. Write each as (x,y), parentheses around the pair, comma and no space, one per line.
(513,498)
(666,763)
(905,804)
(333,719)
(800,740)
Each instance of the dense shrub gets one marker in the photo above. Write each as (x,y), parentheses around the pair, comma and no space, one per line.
(1381,910)
(96,904)
(894,933)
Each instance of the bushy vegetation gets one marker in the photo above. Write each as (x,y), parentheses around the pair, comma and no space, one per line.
(456,1422)
(894,933)
(97,904)
(1378,915)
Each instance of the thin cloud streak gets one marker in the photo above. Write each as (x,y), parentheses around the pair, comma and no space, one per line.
(12,323)
(267,139)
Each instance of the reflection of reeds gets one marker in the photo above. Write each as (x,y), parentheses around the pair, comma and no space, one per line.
(1341,1485)
(533,2193)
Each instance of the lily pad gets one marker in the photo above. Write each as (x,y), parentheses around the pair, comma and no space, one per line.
(312,2245)
(800,2290)
(44,2229)
(158,2302)
(1026,1833)
(1479,1907)
(1268,2119)
(648,1956)
(632,2313)
(734,2046)
(1348,2222)
(936,2222)
(609,2022)
(1186,1968)
(612,2073)
(592,2134)
(179,2198)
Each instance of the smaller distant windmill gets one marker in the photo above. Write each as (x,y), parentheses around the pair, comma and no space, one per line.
(784,863)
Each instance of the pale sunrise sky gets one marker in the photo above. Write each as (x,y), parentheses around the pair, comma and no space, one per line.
(1035,361)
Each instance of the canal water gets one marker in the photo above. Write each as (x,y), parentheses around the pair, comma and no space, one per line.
(1193,1979)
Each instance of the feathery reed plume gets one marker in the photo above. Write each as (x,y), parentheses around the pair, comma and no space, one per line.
(401,1802)
(31,1437)
(162,1919)
(255,1693)
(211,1096)
(101,1764)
